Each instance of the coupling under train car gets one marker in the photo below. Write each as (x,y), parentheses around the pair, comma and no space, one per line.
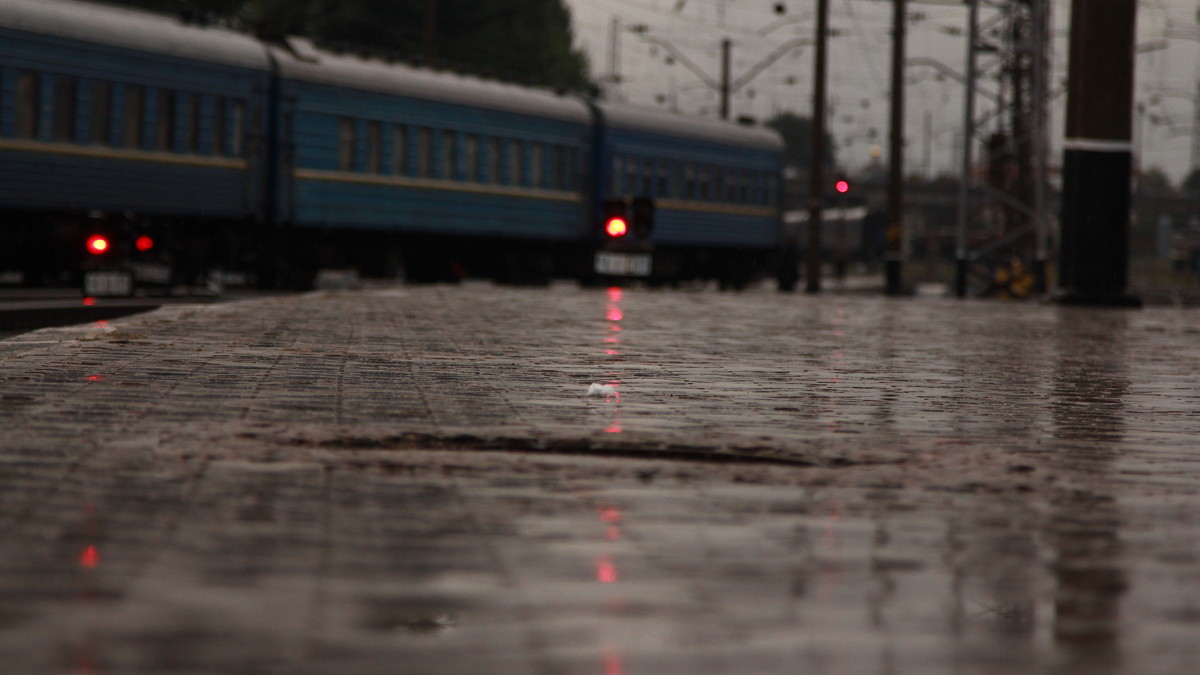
(140,152)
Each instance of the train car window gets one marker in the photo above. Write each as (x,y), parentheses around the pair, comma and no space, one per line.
(471,158)
(425,152)
(731,178)
(648,174)
(516,162)
(537,165)
(618,169)
(28,95)
(573,156)
(133,113)
(287,135)
(374,147)
(237,129)
(400,150)
(100,120)
(689,173)
(449,169)
(193,124)
(346,129)
(556,167)
(255,137)
(220,136)
(631,174)
(664,182)
(165,122)
(493,152)
(64,109)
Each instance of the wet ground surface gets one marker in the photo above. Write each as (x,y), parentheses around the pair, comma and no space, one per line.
(24,309)
(414,480)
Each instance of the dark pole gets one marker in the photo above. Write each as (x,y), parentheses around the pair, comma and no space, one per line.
(895,195)
(816,182)
(1098,155)
(430,36)
(726,45)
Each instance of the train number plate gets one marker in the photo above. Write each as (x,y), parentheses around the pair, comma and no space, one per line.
(623,264)
(108,284)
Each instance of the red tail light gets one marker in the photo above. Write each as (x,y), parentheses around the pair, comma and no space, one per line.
(616,227)
(98,244)
(143,243)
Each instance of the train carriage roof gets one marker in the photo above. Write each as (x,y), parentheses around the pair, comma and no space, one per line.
(131,29)
(305,62)
(621,116)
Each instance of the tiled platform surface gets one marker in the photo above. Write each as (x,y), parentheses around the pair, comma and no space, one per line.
(412,480)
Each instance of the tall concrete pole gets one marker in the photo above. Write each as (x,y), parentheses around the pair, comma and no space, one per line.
(894,255)
(816,182)
(1098,155)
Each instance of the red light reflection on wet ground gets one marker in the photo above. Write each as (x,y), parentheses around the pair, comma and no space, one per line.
(88,302)
(606,570)
(610,514)
(613,314)
(89,558)
(612,662)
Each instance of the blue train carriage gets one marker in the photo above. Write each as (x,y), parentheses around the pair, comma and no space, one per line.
(390,169)
(125,144)
(700,198)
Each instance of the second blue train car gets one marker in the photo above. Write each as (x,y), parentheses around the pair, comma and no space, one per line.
(443,174)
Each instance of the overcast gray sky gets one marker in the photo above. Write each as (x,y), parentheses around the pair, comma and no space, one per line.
(859,68)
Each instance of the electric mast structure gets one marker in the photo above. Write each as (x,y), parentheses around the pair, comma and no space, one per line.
(1010,222)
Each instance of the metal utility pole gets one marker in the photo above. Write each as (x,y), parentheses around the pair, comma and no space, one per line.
(816,182)
(1098,155)
(894,256)
(966,179)
(726,46)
